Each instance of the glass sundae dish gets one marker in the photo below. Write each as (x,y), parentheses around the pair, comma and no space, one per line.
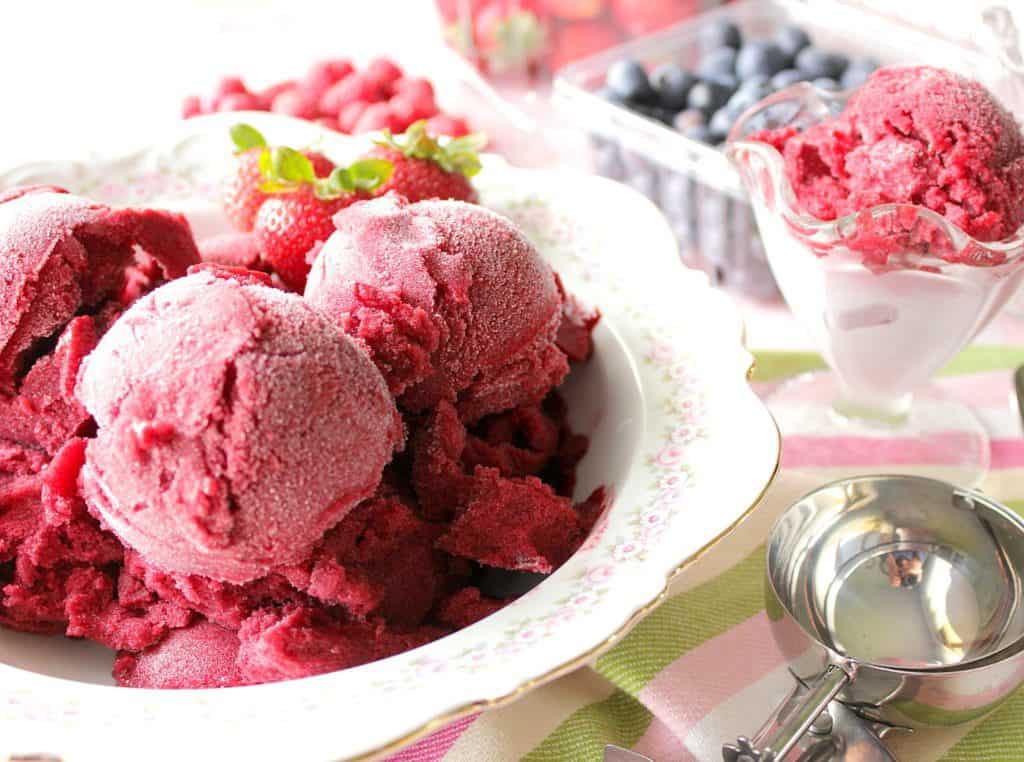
(889,292)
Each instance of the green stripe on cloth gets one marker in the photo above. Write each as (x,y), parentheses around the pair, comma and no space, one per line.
(684,622)
(619,719)
(997,738)
(775,366)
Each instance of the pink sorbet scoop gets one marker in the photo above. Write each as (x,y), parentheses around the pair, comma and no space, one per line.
(451,299)
(235,426)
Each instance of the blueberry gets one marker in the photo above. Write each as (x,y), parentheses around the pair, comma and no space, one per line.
(815,63)
(502,583)
(826,83)
(747,96)
(718,64)
(720,124)
(688,119)
(720,33)
(657,113)
(700,133)
(792,39)
(708,96)
(760,57)
(628,80)
(672,83)
(857,72)
(787,77)
(610,95)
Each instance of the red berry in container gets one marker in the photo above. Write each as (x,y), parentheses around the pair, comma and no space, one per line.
(581,39)
(640,17)
(296,102)
(576,10)
(349,115)
(511,35)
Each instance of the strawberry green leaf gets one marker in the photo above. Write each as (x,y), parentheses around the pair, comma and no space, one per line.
(457,155)
(370,174)
(246,137)
(291,166)
(336,184)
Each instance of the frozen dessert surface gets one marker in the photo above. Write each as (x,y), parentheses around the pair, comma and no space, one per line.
(67,267)
(231,484)
(450,298)
(913,135)
(235,426)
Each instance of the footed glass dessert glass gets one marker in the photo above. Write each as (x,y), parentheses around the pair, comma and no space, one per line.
(890,295)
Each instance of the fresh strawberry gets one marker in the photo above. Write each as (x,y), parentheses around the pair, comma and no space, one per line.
(581,39)
(576,10)
(511,35)
(424,168)
(243,192)
(298,216)
(288,226)
(640,17)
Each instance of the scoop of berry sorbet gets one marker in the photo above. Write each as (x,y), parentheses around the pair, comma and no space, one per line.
(235,426)
(913,135)
(68,265)
(451,299)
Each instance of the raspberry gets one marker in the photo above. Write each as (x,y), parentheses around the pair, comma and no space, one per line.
(407,108)
(268,94)
(384,72)
(377,116)
(239,102)
(445,124)
(191,106)
(350,114)
(295,102)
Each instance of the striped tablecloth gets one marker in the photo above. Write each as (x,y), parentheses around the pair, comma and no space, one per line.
(703,668)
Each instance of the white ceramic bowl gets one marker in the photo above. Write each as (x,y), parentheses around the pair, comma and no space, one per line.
(676,433)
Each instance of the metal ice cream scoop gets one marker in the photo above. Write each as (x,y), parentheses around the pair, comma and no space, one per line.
(901,598)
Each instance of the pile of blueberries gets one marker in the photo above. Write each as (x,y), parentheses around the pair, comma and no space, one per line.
(733,75)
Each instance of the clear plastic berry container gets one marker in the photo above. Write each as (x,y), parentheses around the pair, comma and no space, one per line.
(694,183)
(532,38)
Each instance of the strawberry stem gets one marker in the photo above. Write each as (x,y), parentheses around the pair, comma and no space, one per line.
(456,155)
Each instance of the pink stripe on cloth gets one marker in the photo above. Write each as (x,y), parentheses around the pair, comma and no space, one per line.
(990,388)
(436,745)
(659,742)
(692,686)
(801,451)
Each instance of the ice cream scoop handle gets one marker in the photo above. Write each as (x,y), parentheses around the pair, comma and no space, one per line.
(791,719)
